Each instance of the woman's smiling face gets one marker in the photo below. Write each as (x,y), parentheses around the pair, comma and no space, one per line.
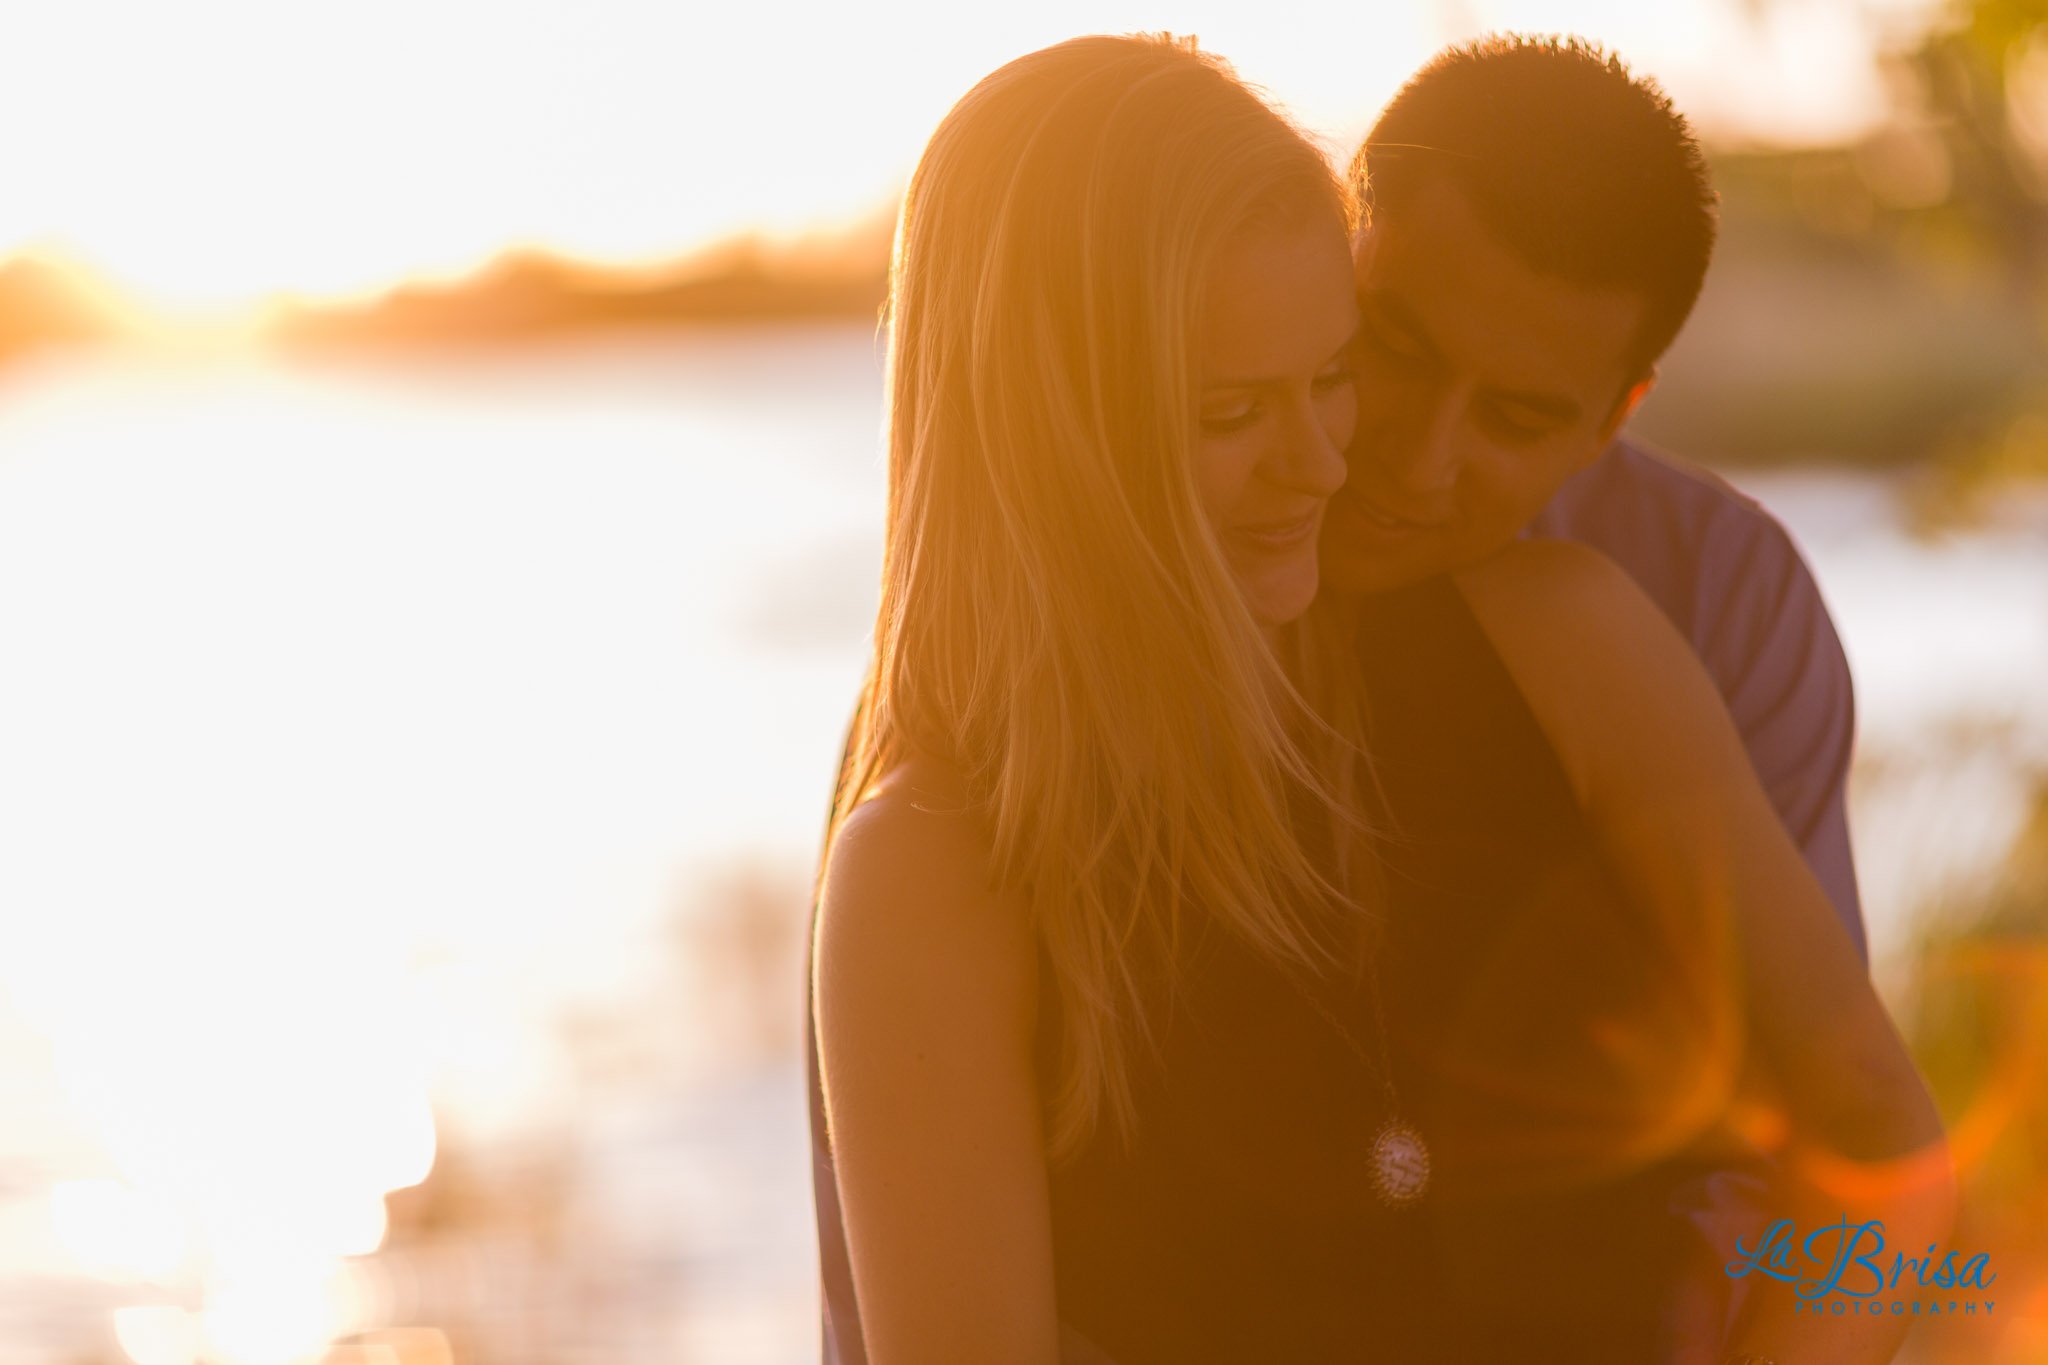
(1276,403)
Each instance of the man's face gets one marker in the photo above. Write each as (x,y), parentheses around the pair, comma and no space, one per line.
(1482,386)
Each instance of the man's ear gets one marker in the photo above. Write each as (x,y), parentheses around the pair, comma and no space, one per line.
(1626,405)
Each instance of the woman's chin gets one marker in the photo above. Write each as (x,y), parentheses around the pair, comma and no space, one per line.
(1279,593)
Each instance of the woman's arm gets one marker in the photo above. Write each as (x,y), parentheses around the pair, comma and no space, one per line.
(926,1000)
(1659,768)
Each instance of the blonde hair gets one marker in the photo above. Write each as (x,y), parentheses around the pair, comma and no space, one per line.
(1058,621)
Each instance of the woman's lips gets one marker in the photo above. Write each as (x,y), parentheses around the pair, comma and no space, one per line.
(1280,535)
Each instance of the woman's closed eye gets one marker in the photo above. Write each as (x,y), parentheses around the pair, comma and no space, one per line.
(1225,418)
(1336,377)
(1242,412)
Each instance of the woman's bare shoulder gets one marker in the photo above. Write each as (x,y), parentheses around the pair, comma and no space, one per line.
(915,825)
(909,908)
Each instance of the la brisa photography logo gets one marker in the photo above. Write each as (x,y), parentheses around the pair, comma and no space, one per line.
(1843,1271)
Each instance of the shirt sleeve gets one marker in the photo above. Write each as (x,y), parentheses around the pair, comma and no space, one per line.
(1765,635)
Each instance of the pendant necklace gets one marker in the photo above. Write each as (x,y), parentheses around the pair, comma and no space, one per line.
(1398,1158)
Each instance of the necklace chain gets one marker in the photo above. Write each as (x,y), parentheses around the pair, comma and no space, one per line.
(1384,1068)
(1400,1157)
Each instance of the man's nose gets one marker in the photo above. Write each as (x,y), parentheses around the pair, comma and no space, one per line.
(1425,454)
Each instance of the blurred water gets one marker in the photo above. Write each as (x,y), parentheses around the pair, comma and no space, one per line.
(459,732)
(1947,639)
(365,733)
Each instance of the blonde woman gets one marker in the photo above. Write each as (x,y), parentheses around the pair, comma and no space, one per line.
(1130,971)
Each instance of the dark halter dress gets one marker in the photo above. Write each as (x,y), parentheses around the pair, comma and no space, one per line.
(1520,997)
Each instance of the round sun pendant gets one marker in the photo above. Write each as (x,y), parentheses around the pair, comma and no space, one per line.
(1400,1164)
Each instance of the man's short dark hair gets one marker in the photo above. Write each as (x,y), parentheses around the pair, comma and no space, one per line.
(1583,171)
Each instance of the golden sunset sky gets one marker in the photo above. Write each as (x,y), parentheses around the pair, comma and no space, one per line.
(208,153)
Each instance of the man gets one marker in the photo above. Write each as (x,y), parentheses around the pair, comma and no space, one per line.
(1541,223)
(1539,227)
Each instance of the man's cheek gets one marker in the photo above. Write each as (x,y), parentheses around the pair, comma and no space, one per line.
(1498,490)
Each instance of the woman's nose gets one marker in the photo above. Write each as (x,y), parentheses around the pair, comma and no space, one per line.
(1311,459)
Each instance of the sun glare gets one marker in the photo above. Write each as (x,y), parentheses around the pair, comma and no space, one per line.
(211,155)
(164,1335)
(118,1231)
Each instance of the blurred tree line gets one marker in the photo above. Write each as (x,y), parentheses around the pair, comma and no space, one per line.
(1885,303)
(1983,78)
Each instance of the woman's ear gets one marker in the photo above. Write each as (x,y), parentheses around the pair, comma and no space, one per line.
(1625,406)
